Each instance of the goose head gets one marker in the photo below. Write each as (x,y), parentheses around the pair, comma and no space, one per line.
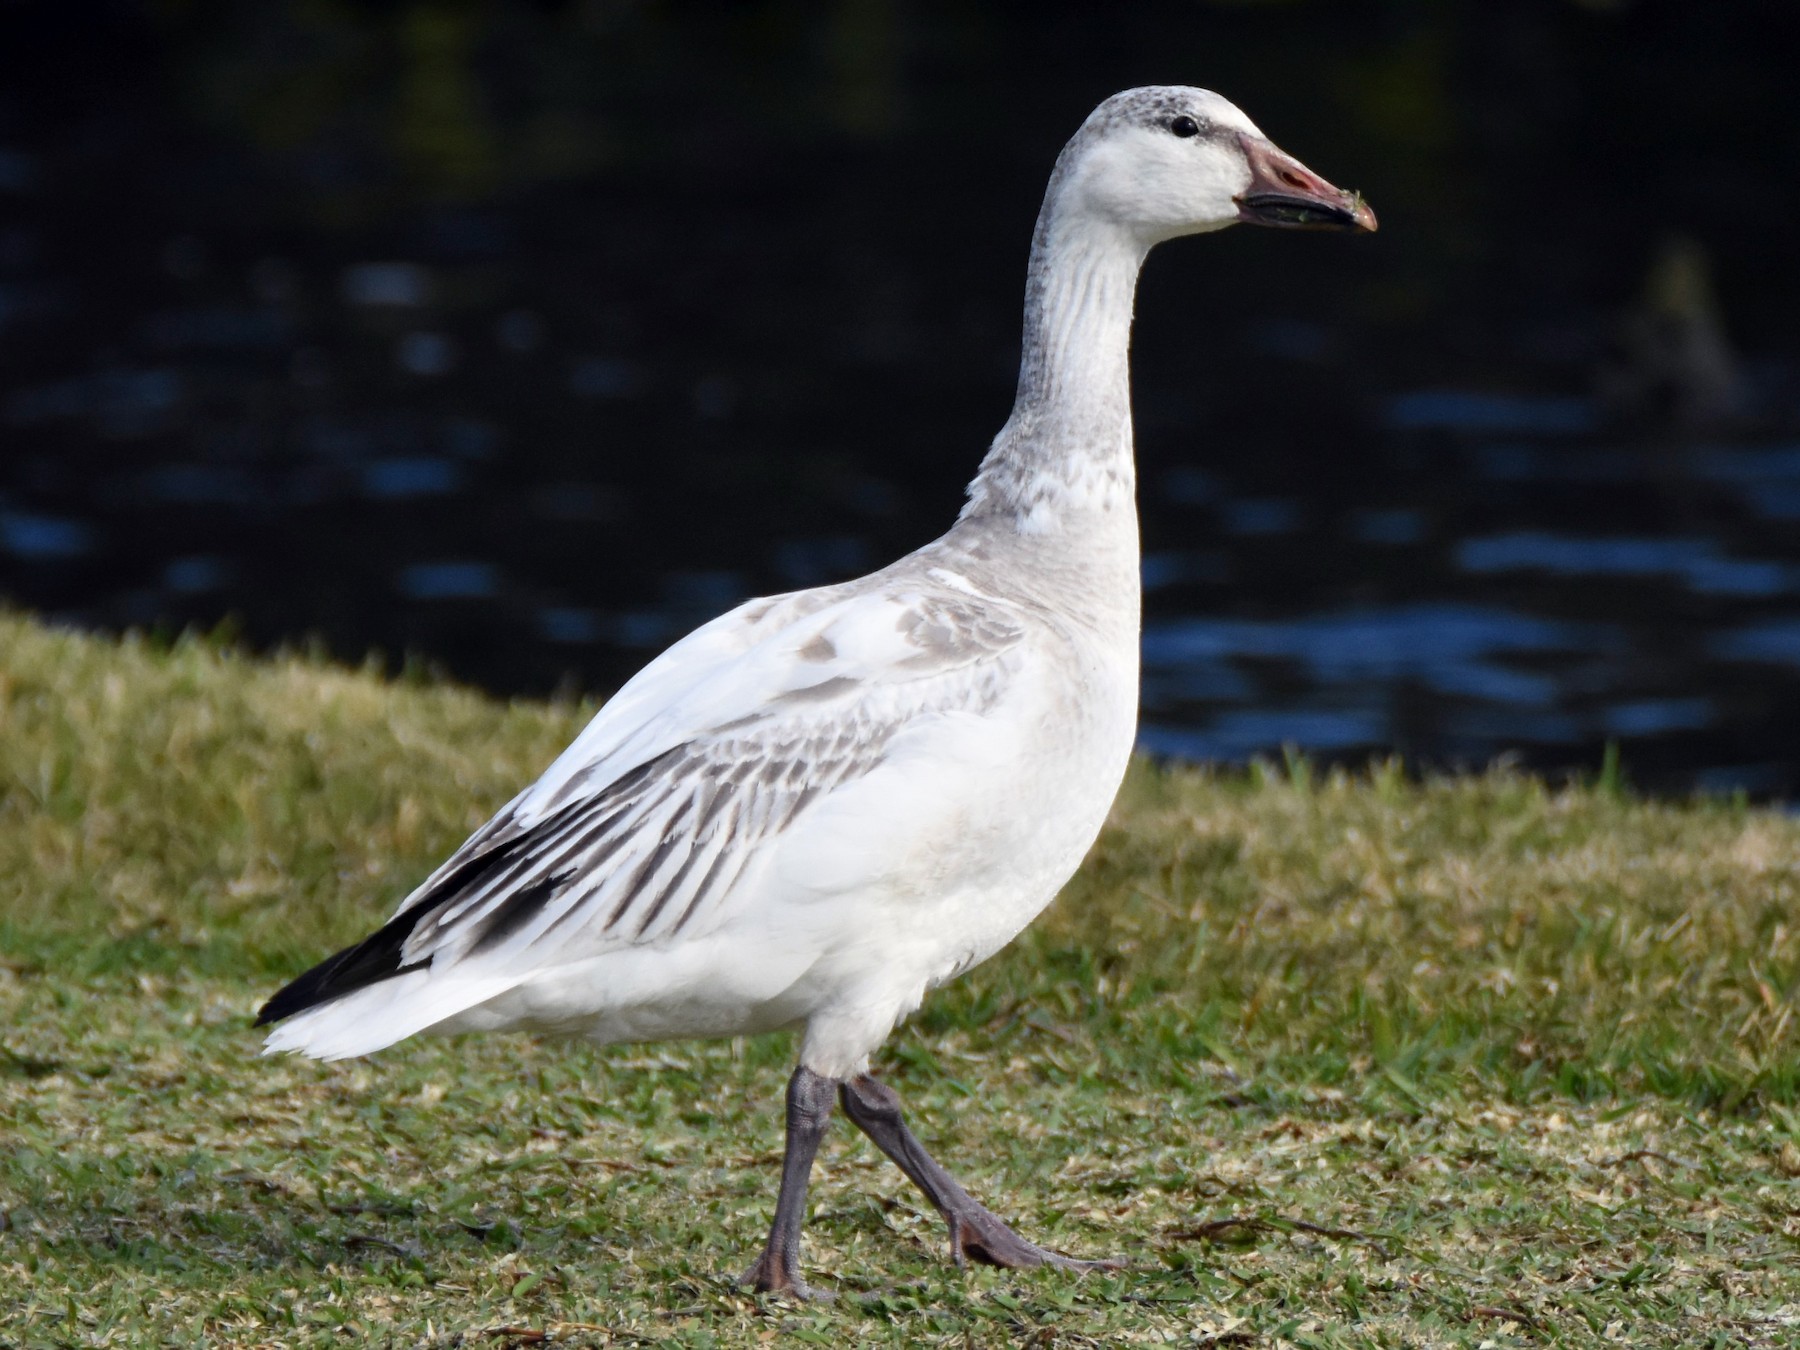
(1167,160)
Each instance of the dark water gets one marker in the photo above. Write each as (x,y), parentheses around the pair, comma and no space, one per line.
(522,338)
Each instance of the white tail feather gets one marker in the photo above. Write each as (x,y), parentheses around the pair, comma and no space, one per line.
(376,1017)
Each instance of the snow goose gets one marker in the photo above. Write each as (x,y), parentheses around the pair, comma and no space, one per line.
(819,806)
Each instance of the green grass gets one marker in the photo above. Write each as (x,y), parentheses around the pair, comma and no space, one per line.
(1526,1054)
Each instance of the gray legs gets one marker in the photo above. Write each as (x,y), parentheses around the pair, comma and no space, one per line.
(975,1233)
(777,1270)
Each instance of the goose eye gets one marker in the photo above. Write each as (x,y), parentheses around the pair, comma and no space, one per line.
(1184,126)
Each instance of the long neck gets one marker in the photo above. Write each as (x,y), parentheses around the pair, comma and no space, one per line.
(1066,449)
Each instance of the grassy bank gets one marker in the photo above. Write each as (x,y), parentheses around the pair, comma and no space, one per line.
(1333,1060)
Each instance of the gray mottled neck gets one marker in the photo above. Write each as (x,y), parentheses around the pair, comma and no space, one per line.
(1067,446)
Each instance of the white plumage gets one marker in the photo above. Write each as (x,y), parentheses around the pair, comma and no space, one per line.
(807,810)
(816,807)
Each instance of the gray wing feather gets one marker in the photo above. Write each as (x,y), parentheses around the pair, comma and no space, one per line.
(653,854)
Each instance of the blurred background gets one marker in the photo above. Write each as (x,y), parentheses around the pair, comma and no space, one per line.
(516,339)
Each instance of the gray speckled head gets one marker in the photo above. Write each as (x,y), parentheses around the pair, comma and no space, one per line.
(1160,161)
(1156,106)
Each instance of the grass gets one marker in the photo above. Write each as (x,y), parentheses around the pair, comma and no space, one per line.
(1334,1060)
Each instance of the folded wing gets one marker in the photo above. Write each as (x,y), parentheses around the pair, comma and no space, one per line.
(655,823)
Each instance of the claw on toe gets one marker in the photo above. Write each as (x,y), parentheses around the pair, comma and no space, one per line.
(986,1239)
(990,1242)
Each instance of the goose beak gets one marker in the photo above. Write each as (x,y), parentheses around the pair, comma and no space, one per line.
(1284,193)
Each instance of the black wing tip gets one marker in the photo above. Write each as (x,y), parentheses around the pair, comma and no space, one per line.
(374,959)
(291,998)
(307,990)
(380,956)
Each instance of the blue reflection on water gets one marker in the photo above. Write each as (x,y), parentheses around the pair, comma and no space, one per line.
(1175,568)
(27,535)
(1243,732)
(1519,462)
(1777,641)
(1483,730)
(1211,681)
(1767,478)
(1447,647)
(1694,561)
(1775,501)
(566,624)
(1261,515)
(448,581)
(1471,412)
(1654,717)
(122,401)
(642,628)
(410,477)
(1732,576)
(1495,684)
(1747,466)
(193,575)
